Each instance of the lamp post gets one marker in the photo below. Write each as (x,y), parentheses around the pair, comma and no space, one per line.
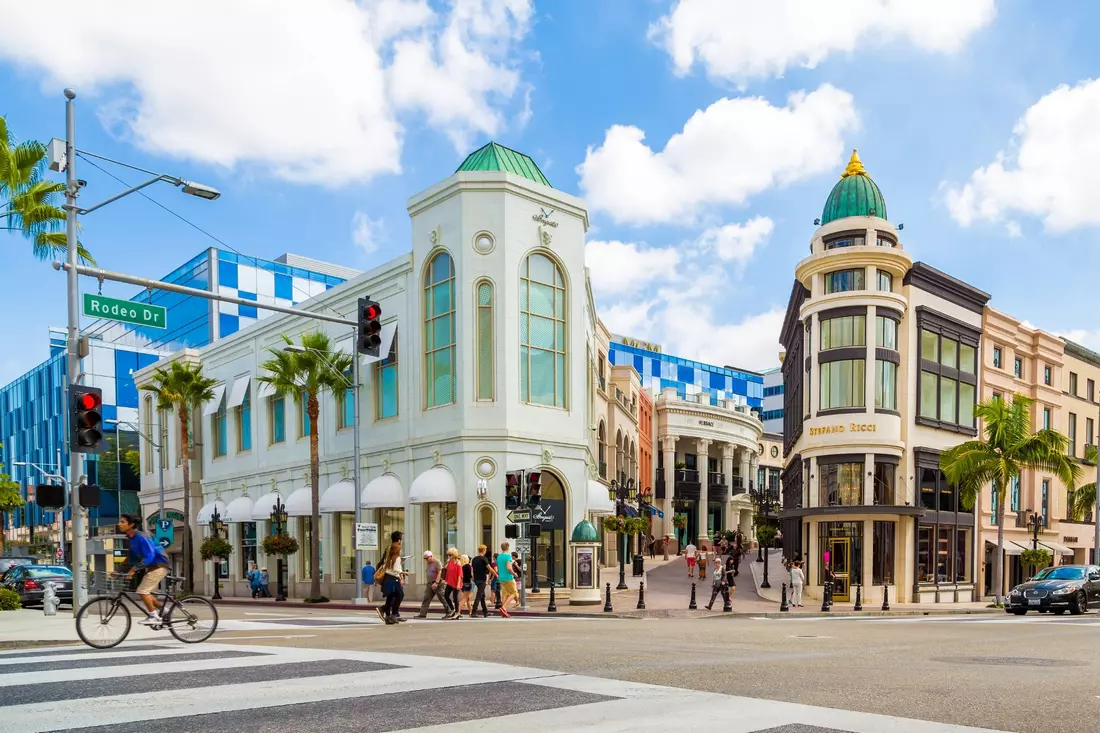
(216,525)
(72,211)
(278,521)
(621,494)
(1035,525)
(764,505)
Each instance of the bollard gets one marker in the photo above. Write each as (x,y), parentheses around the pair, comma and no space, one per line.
(727,601)
(783,607)
(692,606)
(607,604)
(641,596)
(825,597)
(859,598)
(885,598)
(50,601)
(552,607)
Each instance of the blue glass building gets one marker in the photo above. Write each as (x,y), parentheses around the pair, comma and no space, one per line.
(33,409)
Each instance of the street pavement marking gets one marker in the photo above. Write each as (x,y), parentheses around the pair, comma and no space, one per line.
(201,698)
(268,636)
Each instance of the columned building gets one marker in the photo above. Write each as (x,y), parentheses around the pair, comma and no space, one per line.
(881,373)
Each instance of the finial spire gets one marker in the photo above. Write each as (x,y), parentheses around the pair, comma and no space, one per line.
(855,166)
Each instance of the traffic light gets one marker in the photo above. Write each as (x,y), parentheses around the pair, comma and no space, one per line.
(511,531)
(511,489)
(370,328)
(534,530)
(534,488)
(49,496)
(84,419)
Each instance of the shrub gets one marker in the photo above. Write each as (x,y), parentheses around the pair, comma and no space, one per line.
(280,544)
(215,547)
(9,600)
(1035,559)
(679,521)
(318,599)
(614,524)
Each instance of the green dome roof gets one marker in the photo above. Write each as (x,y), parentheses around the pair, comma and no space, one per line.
(585,532)
(496,157)
(855,194)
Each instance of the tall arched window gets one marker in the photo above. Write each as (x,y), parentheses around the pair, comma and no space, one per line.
(601,446)
(620,473)
(484,341)
(542,332)
(439,331)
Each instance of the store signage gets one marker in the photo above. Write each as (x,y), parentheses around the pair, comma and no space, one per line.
(850,427)
(127,311)
(543,217)
(707,423)
(1069,539)
(639,344)
(585,565)
(550,514)
(366,536)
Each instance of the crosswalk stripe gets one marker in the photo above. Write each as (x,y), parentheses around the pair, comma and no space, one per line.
(49,665)
(71,651)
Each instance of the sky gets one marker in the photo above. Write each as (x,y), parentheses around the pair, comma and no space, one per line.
(704,135)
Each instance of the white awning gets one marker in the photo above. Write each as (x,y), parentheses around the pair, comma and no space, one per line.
(240,389)
(340,497)
(299,503)
(383,492)
(599,501)
(434,486)
(215,402)
(264,391)
(239,510)
(203,517)
(1057,548)
(263,507)
(1011,548)
(389,330)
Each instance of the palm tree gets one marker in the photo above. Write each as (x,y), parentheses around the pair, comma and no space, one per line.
(1008,448)
(28,202)
(306,371)
(1084,497)
(11,498)
(182,387)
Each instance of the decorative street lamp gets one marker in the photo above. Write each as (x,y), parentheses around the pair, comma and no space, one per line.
(622,494)
(216,525)
(1035,524)
(278,521)
(764,504)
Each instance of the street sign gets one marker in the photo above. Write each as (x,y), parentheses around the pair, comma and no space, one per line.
(523,544)
(366,536)
(127,311)
(164,543)
(519,516)
(165,532)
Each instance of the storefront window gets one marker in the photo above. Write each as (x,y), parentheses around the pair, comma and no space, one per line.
(882,554)
(344,524)
(485,523)
(928,488)
(841,484)
(924,554)
(884,483)
(943,554)
(844,543)
(389,521)
(441,525)
(248,545)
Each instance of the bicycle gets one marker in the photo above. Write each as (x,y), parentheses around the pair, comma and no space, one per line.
(107,618)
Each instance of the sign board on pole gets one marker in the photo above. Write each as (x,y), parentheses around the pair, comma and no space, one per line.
(127,311)
(519,516)
(523,544)
(366,536)
(165,532)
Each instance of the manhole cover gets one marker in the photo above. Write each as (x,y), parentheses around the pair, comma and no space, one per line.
(809,636)
(801,728)
(1011,661)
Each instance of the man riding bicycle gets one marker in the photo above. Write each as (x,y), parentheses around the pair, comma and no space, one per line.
(148,556)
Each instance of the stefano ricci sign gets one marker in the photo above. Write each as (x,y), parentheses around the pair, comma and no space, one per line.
(852,427)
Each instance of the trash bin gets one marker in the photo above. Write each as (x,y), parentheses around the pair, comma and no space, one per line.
(639,568)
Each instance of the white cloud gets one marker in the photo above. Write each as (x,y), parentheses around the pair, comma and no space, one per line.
(366,232)
(1051,168)
(1090,339)
(737,242)
(731,150)
(742,39)
(309,96)
(623,267)
(1013,230)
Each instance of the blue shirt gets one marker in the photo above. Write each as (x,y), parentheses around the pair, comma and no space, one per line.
(504,567)
(144,552)
(368,575)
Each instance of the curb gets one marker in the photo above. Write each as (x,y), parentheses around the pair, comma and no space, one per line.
(371,607)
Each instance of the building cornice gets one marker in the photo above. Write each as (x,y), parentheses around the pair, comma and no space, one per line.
(896,261)
(927,278)
(497,182)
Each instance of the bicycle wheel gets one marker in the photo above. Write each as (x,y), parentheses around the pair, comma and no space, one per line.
(103,622)
(192,620)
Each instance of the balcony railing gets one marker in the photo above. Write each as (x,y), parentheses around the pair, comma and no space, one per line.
(687,476)
(737,485)
(716,478)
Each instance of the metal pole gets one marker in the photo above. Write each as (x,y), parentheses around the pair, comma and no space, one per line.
(357,479)
(80,549)
(1096,519)
(160,468)
(65,488)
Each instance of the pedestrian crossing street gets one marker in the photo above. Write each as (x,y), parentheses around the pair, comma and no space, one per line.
(177,688)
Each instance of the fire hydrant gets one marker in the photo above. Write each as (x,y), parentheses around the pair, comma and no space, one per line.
(50,601)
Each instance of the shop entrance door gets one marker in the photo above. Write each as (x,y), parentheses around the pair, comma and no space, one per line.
(840,554)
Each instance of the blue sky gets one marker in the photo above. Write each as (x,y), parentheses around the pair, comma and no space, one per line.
(318,129)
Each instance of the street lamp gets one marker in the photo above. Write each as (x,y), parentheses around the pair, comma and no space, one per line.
(621,494)
(160,459)
(278,522)
(1035,525)
(216,525)
(68,497)
(67,162)
(764,505)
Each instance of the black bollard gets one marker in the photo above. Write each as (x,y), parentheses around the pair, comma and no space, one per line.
(692,606)
(727,605)
(280,582)
(553,606)
(607,604)
(825,598)
(885,598)
(783,607)
(859,598)
(641,596)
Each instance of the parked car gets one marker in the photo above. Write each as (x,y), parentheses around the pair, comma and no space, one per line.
(1066,588)
(7,563)
(29,581)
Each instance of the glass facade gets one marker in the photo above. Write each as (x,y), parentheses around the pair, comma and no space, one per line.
(660,371)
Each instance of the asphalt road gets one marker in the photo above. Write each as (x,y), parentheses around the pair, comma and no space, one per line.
(998,672)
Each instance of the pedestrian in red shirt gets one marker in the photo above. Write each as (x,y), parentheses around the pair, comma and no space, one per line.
(452,574)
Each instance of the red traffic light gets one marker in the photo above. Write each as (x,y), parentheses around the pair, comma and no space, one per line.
(373,311)
(89,401)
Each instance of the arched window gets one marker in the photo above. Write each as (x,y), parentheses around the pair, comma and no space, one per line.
(542,329)
(620,473)
(484,341)
(601,445)
(439,331)
(633,461)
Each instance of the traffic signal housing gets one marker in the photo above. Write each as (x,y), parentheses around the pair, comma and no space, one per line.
(511,531)
(513,479)
(534,488)
(370,327)
(85,418)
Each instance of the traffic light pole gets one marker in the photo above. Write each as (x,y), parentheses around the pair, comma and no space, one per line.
(358,481)
(80,546)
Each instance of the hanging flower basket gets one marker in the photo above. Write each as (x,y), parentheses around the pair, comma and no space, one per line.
(637,525)
(679,521)
(614,524)
(280,544)
(215,547)
(1035,559)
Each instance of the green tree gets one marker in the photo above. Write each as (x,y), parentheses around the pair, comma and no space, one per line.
(1008,447)
(11,498)
(182,388)
(307,372)
(1084,497)
(29,202)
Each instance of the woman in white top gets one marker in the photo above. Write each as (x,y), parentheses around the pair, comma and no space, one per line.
(393,580)
(798,579)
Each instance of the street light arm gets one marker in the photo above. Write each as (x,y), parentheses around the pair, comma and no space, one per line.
(137,430)
(299,349)
(129,191)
